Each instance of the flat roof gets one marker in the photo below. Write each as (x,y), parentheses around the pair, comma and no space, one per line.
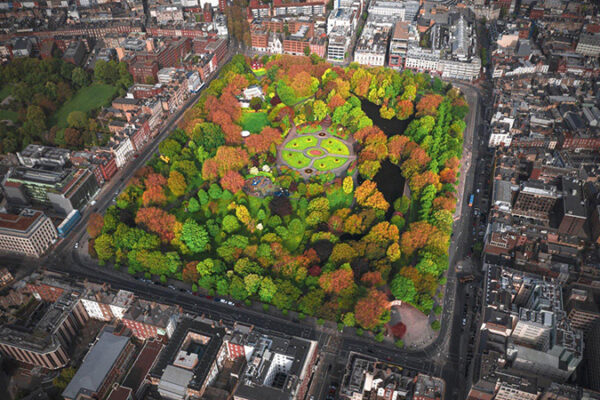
(21,222)
(97,364)
(143,364)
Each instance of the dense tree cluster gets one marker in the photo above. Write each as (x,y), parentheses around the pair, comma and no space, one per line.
(35,90)
(332,246)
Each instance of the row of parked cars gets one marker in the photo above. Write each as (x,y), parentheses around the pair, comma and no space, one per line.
(217,299)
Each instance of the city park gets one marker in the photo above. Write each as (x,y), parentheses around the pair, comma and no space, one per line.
(311,188)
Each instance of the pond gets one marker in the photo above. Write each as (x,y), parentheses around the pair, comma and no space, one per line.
(389,179)
(390,127)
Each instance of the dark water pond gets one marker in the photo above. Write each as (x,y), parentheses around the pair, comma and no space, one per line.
(389,179)
(390,127)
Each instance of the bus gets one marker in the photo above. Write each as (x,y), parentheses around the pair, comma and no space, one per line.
(68,223)
(471,198)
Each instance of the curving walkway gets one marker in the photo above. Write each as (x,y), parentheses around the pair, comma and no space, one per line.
(316,153)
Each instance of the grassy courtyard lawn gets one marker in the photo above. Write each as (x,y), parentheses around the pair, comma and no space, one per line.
(309,129)
(301,143)
(259,72)
(328,163)
(4,92)
(254,122)
(87,99)
(295,159)
(335,146)
(8,114)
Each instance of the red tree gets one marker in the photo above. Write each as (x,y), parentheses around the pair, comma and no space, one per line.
(157,221)
(372,278)
(232,181)
(336,281)
(190,273)
(448,175)
(368,310)
(447,202)
(230,159)
(416,236)
(396,146)
(404,109)
(95,224)
(261,143)
(429,104)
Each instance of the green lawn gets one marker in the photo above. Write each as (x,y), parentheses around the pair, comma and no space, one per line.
(8,114)
(301,143)
(328,163)
(295,159)
(4,92)
(254,122)
(335,146)
(87,99)
(259,72)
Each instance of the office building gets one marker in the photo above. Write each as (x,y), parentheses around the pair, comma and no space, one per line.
(63,189)
(278,368)
(44,336)
(29,233)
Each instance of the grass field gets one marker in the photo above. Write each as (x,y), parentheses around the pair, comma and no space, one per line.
(301,143)
(87,99)
(259,72)
(8,114)
(254,122)
(328,163)
(295,159)
(335,146)
(4,92)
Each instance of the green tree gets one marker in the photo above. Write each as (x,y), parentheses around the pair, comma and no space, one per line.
(104,247)
(77,119)
(403,289)
(79,77)
(169,148)
(252,282)
(194,236)
(35,121)
(349,319)
(62,380)
(230,224)
(286,94)
(177,183)
(237,288)
(193,205)
(267,290)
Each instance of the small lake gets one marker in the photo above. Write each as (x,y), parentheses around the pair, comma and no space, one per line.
(390,127)
(389,179)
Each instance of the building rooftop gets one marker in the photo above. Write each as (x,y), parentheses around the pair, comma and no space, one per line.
(142,365)
(191,336)
(20,223)
(96,364)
